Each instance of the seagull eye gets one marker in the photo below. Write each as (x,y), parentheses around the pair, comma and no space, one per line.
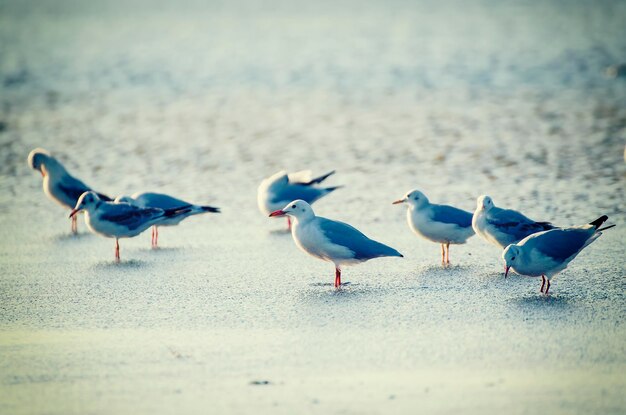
(513,259)
(293,206)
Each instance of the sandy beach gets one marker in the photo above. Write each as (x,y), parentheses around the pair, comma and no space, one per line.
(203,100)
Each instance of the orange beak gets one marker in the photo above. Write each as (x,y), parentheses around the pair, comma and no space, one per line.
(506,271)
(278,212)
(397,202)
(74,212)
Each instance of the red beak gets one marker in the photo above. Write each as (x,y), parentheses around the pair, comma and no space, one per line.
(74,211)
(506,271)
(278,212)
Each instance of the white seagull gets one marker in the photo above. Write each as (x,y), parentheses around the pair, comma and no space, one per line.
(281,188)
(438,223)
(163,201)
(503,227)
(58,184)
(549,252)
(119,220)
(329,240)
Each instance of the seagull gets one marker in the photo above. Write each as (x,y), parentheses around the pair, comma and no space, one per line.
(163,201)
(330,240)
(503,227)
(281,188)
(58,184)
(120,220)
(549,252)
(438,223)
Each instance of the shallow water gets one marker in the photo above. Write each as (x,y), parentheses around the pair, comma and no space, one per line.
(204,100)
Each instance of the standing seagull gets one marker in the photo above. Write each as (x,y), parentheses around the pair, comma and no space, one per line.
(438,223)
(503,227)
(119,220)
(281,188)
(58,184)
(329,240)
(163,201)
(547,253)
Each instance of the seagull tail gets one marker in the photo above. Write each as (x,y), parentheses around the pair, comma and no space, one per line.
(598,222)
(210,209)
(319,179)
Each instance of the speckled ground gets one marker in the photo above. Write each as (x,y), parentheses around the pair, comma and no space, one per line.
(203,101)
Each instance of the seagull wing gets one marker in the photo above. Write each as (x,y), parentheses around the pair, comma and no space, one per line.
(560,244)
(131,216)
(346,235)
(452,215)
(159,200)
(515,224)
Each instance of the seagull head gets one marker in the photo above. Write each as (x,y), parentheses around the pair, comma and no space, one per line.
(510,255)
(484,202)
(85,201)
(414,198)
(37,160)
(298,209)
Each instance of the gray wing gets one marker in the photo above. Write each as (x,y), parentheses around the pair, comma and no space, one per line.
(132,217)
(515,224)
(345,235)
(561,244)
(159,200)
(452,215)
(297,191)
(73,188)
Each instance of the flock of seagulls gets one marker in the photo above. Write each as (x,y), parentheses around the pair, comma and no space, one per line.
(531,248)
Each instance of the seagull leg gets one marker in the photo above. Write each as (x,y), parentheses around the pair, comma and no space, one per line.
(156,236)
(448,253)
(543,282)
(74,225)
(152,240)
(443,254)
(548,286)
(288,223)
(337,277)
(117,250)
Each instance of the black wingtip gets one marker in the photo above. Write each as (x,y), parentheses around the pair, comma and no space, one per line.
(333,188)
(319,179)
(606,227)
(598,222)
(177,211)
(211,209)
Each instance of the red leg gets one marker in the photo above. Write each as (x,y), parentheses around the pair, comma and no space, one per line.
(117,250)
(543,282)
(443,254)
(152,238)
(74,225)
(156,236)
(448,253)
(337,277)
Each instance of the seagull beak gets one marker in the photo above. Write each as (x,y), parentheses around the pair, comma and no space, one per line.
(278,212)
(397,202)
(506,271)
(74,212)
